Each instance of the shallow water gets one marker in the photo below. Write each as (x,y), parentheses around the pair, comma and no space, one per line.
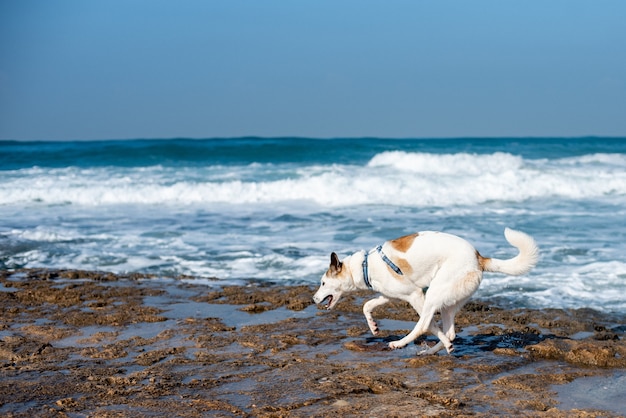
(600,392)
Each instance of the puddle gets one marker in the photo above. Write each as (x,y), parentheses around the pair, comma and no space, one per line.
(582,335)
(393,324)
(4,288)
(597,392)
(86,336)
(231,315)
(146,330)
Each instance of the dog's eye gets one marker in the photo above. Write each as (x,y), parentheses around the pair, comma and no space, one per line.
(323,283)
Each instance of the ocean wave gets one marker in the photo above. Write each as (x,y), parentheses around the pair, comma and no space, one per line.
(461,164)
(616,160)
(389,178)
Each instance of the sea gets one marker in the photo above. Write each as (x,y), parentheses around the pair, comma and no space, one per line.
(224,211)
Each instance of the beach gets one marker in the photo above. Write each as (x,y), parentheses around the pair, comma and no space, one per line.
(83,343)
(174,181)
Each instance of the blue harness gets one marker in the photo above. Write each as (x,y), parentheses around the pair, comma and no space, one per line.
(379,250)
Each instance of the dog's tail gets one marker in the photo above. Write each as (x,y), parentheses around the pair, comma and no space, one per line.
(521,263)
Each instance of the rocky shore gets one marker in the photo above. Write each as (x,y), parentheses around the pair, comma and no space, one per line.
(78,343)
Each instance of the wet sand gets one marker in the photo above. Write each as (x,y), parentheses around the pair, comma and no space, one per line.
(76,344)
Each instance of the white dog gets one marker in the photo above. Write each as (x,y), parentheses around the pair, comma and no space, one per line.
(433,271)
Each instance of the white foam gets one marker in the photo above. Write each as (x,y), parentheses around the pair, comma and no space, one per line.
(461,164)
(596,285)
(617,160)
(396,178)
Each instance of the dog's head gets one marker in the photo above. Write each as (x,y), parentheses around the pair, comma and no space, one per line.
(335,281)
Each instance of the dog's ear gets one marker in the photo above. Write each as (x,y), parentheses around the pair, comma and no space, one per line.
(335,264)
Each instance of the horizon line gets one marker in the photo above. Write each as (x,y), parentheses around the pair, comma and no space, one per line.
(291,137)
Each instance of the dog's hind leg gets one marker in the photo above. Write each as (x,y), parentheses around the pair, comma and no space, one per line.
(447,318)
(368,307)
(417,302)
(447,321)
(465,287)
(444,341)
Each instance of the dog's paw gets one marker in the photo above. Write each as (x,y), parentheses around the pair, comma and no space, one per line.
(427,350)
(396,344)
(373,327)
(424,349)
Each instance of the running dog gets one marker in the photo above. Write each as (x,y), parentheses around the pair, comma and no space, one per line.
(433,271)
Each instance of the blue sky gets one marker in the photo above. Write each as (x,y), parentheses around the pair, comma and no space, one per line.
(115,69)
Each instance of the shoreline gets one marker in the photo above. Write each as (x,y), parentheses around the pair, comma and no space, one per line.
(77,343)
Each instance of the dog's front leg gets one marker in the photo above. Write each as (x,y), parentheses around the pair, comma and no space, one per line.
(368,307)
(426,317)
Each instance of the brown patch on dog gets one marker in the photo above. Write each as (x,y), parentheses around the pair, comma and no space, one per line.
(482,261)
(346,271)
(402,244)
(404,266)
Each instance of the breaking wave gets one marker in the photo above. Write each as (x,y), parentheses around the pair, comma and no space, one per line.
(389,178)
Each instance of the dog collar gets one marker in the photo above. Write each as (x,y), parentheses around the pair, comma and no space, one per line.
(388,261)
(366,278)
(391,264)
